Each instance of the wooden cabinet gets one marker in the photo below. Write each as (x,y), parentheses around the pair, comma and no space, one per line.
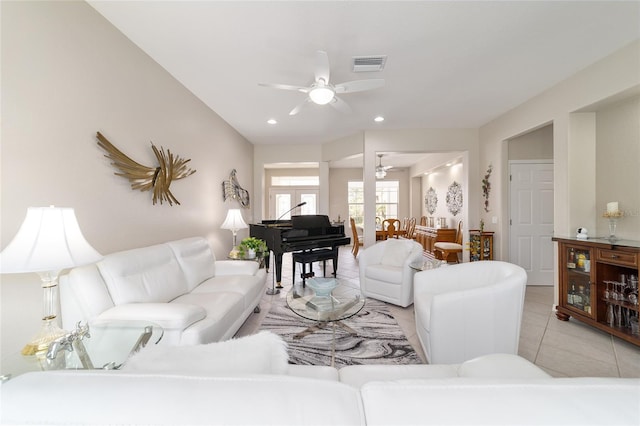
(598,284)
(480,245)
(428,236)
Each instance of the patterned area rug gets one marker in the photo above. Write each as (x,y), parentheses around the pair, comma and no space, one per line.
(380,339)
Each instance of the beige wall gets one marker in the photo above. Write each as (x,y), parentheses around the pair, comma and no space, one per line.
(67,73)
(618,165)
(535,145)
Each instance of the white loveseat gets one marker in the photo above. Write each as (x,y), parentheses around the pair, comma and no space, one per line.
(178,285)
(497,389)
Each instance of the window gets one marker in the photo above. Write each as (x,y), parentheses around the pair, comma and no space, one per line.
(295,181)
(356,201)
(386,200)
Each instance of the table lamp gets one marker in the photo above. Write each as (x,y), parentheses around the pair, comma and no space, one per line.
(234,222)
(48,241)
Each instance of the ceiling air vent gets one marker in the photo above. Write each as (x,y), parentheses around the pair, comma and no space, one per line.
(369,63)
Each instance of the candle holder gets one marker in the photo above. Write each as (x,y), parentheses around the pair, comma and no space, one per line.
(613,222)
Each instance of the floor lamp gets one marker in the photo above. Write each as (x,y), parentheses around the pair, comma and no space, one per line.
(48,241)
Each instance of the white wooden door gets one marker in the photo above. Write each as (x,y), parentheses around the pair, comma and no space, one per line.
(531,220)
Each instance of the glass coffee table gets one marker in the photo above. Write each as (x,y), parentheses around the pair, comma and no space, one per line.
(344,302)
(426,264)
(102,344)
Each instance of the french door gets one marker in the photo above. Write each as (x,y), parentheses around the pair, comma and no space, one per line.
(281,200)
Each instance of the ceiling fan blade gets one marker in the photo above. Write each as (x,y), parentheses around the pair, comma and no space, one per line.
(285,87)
(359,85)
(322,66)
(299,107)
(340,105)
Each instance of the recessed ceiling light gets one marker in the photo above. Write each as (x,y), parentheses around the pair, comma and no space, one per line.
(272,121)
(379,119)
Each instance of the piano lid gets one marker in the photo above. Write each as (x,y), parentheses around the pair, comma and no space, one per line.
(317,222)
(310,221)
(274,223)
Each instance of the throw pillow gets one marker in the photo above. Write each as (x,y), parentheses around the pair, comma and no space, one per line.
(395,252)
(261,353)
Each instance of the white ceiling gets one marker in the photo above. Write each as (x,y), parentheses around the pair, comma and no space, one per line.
(450,64)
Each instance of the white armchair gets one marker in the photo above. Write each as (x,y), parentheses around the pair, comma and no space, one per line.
(385,273)
(470,309)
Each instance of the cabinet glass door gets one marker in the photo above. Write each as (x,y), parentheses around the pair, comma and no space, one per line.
(578,285)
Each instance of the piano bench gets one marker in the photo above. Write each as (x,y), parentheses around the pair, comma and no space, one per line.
(309,256)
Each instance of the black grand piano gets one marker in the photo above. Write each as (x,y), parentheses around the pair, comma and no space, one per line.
(304,232)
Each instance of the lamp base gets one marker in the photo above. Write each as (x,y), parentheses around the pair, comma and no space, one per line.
(39,344)
(272,291)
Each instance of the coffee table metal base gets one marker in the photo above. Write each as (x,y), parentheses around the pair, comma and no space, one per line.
(322,325)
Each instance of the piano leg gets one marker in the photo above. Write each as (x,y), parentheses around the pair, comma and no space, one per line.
(277,257)
(278,268)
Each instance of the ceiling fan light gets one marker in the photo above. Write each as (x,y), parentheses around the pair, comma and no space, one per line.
(380,174)
(321,95)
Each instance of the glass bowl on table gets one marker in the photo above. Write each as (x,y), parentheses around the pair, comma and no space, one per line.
(322,286)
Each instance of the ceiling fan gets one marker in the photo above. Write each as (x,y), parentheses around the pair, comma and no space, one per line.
(381,171)
(322,92)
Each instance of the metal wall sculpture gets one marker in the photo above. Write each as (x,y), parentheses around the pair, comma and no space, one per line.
(170,167)
(486,187)
(232,189)
(454,198)
(431,200)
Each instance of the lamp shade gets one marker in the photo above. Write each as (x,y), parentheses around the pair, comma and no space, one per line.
(48,240)
(234,220)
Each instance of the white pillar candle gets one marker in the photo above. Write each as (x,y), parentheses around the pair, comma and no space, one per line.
(612,207)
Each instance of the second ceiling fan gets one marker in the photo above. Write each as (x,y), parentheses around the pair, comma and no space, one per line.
(381,171)
(322,92)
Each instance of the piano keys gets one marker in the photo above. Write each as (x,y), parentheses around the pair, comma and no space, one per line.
(303,232)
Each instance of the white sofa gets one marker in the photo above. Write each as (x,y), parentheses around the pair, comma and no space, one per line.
(178,285)
(469,309)
(385,273)
(492,390)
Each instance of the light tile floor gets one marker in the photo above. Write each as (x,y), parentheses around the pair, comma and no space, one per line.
(562,348)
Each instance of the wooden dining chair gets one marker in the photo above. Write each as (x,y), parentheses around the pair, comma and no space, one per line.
(391,223)
(446,249)
(405,224)
(391,232)
(357,240)
(410,231)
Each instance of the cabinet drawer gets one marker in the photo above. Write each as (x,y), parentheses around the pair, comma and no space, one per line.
(618,257)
